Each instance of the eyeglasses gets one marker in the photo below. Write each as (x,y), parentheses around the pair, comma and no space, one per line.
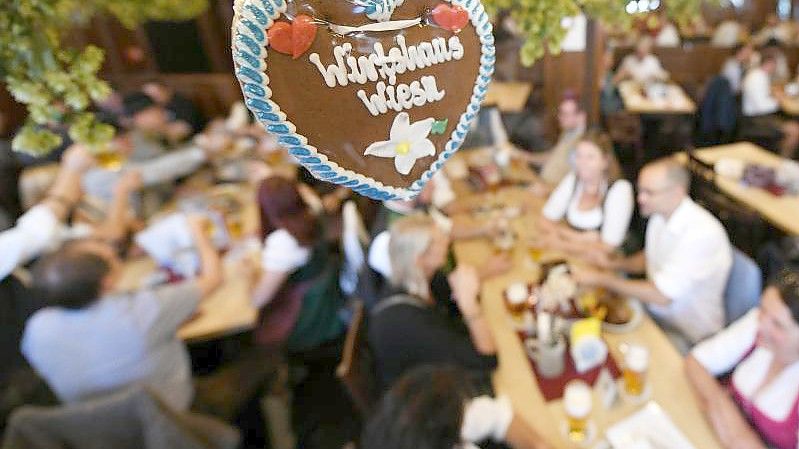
(653,192)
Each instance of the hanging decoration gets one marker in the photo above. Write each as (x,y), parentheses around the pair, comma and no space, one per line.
(362,92)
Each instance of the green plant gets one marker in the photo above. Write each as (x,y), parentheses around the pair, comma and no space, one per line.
(56,83)
(540,21)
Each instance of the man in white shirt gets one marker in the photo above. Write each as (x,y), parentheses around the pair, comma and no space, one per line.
(687,258)
(93,340)
(759,102)
(735,66)
(641,66)
(36,230)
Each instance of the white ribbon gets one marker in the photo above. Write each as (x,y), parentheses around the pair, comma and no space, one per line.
(392,25)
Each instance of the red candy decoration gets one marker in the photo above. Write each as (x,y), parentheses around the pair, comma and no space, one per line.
(293,38)
(453,18)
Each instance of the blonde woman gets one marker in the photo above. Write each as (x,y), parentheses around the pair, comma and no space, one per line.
(589,212)
(410,328)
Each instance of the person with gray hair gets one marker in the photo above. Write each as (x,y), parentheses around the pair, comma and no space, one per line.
(686,258)
(410,328)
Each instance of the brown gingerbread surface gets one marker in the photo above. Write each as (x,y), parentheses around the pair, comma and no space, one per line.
(335,120)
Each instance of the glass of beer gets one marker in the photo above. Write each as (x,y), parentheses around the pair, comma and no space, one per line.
(109,157)
(636,363)
(516,296)
(577,402)
(234,225)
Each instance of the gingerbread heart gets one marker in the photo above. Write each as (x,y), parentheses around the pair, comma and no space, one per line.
(368,100)
(453,18)
(292,38)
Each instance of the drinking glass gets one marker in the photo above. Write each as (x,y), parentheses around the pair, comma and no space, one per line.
(577,402)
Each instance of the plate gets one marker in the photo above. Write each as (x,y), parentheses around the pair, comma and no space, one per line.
(638,314)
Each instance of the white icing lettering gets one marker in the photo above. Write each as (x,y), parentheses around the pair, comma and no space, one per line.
(456,48)
(383,68)
(401,97)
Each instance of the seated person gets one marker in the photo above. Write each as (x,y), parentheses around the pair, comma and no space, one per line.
(668,36)
(597,206)
(92,340)
(737,64)
(435,407)
(297,291)
(408,329)
(760,408)
(761,105)
(555,162)
(686,258)
(641,66)
(181,110)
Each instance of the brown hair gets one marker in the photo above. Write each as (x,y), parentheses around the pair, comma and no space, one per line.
(70,277)
(605,145)
(281,206)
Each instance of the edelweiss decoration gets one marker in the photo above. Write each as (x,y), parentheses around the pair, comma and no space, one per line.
(374,95)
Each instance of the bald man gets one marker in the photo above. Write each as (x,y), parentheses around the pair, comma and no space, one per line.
(686,259)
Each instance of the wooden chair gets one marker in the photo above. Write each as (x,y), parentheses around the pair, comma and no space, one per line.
(356,370)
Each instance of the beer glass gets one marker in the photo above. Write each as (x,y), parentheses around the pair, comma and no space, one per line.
(636,363)
(577,402)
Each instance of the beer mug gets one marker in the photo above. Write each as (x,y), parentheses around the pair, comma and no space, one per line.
(516,299)
(577,402)
(636,363)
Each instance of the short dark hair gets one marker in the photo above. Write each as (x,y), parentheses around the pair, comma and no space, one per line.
(786,282)
(423,410)
(70,277)
(136,102)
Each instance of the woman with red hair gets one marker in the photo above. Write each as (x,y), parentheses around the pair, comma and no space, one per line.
(298,291)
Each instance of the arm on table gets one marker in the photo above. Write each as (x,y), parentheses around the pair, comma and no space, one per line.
(210,276)
(465,284)
(642,289)
(730,426)
(267,286)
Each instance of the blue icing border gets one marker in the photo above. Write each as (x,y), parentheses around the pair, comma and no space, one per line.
(249,58)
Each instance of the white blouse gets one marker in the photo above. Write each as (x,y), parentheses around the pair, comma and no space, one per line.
(485,417)
(283,253)
(611,218)
(725,351)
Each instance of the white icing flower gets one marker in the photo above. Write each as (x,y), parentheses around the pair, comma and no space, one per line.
(407,143)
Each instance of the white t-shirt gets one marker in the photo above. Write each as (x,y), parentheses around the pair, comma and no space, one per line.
(688,258)
(486,417)
(668,36)
(726,34)
(611,218)
(726,350)
(115,342)
(733,70)
(34,232)
(283,253)
(643,70)
(756,94)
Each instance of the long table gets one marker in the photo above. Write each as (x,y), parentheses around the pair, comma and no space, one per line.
(636,102)
(782,211)
(228,309)
(514,376)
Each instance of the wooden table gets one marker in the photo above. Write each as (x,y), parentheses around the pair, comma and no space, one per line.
(508,96)
(790,105)
(782,211)
(636,102)
(228,309)
(514,376)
